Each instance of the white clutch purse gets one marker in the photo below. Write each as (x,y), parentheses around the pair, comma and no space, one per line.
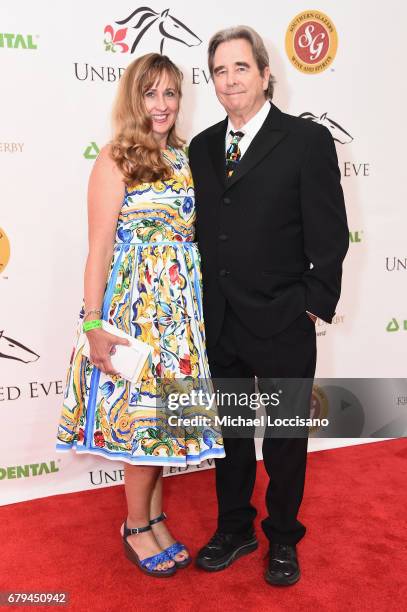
(128,360)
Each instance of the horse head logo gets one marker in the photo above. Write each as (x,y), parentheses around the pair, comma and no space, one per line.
(337,131)
(169,28)
(11,349)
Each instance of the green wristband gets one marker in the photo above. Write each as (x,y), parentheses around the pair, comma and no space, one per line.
(95,324)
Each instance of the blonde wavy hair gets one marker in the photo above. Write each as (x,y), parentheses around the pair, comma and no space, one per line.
(133,147)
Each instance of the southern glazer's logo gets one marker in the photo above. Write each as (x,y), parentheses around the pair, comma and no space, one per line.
(17,41)
(396,325)
(319,406)
(342,136)
(340,407)
(11,349)
(393,264)
(4,250)
(28,470)
(146,22)
(311,42)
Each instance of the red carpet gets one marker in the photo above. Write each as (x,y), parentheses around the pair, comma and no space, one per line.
(353,556)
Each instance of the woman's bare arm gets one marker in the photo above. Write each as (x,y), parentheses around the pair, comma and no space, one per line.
(105,197)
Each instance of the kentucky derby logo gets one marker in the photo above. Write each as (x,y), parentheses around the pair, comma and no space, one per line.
(11,349)
(4,250)
(162,25)
(311,42)
(339,134)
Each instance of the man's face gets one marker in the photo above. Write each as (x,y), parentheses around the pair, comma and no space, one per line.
(238,83)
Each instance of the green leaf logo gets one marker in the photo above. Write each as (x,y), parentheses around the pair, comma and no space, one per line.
(393,326)
(92,151)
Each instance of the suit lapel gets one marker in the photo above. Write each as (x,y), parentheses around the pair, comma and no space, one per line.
(216,143)
(268,137)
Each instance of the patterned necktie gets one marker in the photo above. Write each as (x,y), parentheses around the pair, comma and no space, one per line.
(233,153)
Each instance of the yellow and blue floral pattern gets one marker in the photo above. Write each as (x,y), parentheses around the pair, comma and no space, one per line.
(154,293)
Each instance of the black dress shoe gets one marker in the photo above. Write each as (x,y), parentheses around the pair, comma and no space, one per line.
(224,548)
(283,568)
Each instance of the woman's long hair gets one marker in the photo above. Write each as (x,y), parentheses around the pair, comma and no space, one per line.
(134,149)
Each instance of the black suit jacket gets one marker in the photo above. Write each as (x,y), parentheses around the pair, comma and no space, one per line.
(272,237)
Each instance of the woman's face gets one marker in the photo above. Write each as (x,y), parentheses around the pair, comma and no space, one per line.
(162,104)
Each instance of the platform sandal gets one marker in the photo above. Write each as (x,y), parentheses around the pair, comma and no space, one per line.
(175,548)
(146,565)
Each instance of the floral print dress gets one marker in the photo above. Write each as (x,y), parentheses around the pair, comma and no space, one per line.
(154,293)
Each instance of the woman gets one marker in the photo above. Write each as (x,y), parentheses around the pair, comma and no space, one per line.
(143,276)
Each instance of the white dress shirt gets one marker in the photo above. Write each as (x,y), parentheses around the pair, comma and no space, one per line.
(249,130)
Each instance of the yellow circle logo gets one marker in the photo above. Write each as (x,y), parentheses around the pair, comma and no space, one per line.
(311,42)
(4,250)
(319,406)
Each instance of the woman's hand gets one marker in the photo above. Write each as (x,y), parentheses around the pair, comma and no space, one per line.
(102,346)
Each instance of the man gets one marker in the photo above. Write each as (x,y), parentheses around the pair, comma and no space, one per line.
(272,232)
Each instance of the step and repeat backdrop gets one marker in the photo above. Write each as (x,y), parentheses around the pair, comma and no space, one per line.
(337,64)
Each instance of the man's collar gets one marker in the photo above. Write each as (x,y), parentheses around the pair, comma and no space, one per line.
(254,124)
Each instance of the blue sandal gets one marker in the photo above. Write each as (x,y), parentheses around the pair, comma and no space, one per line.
(146,565)
(175,548)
